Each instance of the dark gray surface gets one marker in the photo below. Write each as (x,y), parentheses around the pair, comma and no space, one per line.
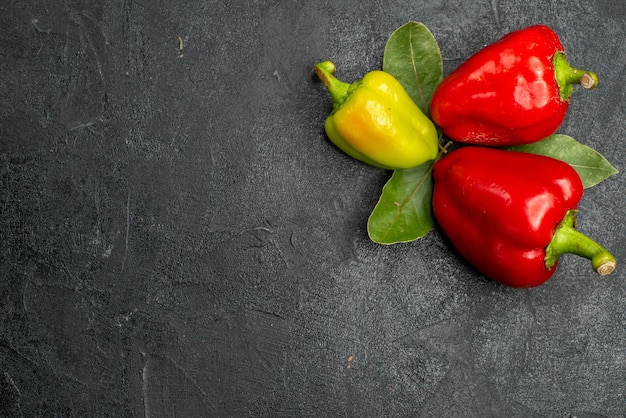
(179,238)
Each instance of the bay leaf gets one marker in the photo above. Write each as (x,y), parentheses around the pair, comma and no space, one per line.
(413,57)
(591,166)
(404,211)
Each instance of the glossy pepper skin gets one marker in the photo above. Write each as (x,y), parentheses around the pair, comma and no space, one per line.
(511,214)
(375,121)
(512,92)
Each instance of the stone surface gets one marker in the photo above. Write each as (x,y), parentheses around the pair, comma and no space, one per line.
(179,238)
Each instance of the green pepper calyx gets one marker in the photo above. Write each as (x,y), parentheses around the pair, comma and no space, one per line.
(339,91)
(566,239)
(566,76)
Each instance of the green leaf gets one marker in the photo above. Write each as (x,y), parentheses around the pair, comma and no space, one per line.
(404,211)
(413,57)
(590,165)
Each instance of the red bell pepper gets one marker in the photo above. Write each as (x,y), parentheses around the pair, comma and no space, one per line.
(512,92)
(511,214)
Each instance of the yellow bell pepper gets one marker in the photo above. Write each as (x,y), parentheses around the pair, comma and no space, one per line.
(374,120)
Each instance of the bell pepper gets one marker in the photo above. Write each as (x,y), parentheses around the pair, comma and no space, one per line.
(512,214)
(514,91)
(375,121)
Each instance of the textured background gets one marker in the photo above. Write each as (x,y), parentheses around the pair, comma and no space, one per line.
(179,238)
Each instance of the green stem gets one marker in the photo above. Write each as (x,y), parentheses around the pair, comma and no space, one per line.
(443,149)
(566,239)
(567,76)
(339,90)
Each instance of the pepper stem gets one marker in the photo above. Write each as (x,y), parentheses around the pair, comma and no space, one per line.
(566,239)
(339,90)
(567,76)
